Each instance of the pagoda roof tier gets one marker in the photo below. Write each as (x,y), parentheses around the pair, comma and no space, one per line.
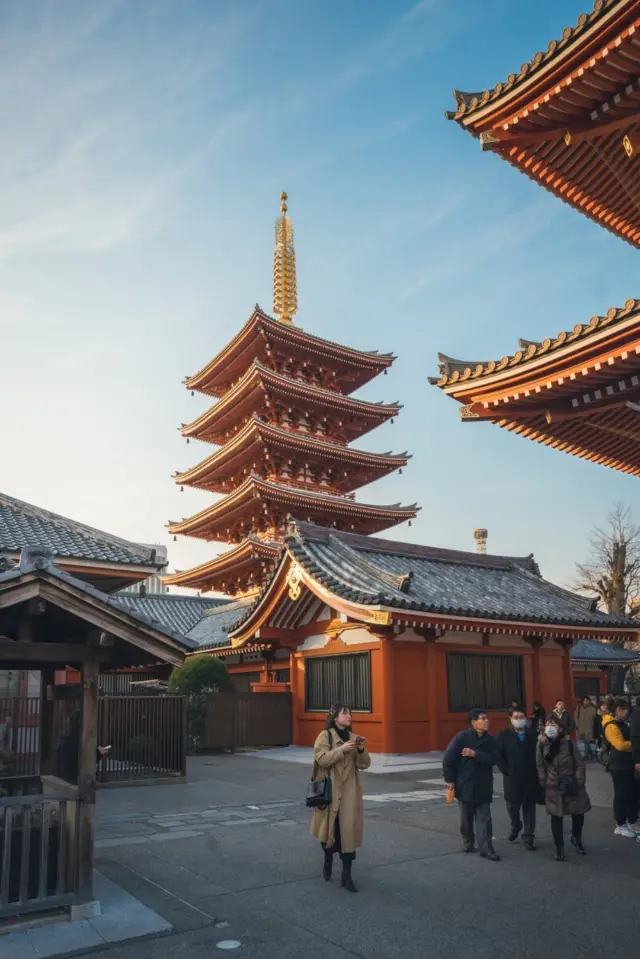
(262,337)
(260,387)
(570,117)
(235,571)
(262,443)
(579,392)
(258,501)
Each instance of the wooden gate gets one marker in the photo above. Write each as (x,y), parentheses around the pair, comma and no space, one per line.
(235,720)
(147,735)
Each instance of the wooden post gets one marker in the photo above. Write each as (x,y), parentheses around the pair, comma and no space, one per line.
(293,687)
(569,694)
(87,778)
(47,705)
(432,695)
(536,645)
(389,720)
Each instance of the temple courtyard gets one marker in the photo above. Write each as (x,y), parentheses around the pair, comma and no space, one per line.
(227,859)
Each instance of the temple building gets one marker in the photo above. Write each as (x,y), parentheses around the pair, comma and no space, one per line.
(282,425)
(411,636)
(570,120)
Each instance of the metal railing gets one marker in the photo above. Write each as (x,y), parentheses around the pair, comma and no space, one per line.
(38,853)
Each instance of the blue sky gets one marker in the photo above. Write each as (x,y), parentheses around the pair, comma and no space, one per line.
(144,149)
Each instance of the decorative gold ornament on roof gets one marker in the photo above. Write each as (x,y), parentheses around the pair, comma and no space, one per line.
(285,293)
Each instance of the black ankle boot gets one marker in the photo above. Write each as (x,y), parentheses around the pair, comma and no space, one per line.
(578,846)
(328,866)
(559,856)
(346,880)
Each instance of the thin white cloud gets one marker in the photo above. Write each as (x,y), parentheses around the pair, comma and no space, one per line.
(81,117)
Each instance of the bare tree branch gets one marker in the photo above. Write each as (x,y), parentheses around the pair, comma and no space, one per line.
(612,571)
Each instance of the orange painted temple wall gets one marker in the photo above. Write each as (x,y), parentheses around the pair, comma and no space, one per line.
(409,695)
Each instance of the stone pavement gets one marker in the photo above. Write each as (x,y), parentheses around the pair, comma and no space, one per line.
(228,859)
(123,917)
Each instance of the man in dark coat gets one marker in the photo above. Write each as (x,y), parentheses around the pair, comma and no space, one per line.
(517,763)
(563,718)
(468,767)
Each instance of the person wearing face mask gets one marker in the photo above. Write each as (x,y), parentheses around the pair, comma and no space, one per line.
(339,753)
(562,775)
(517,763)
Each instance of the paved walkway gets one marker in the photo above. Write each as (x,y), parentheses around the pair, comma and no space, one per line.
(227,859)
(123,917)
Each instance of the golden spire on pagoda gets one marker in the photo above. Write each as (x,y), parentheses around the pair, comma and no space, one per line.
(285,293)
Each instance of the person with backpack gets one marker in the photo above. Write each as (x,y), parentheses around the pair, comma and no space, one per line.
(585,718)
(562,775)
(619,762)
(339,755)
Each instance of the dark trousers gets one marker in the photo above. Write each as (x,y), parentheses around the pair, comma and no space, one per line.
(476,816)
(577,822)
(528,817)
(625,797)
(347,857)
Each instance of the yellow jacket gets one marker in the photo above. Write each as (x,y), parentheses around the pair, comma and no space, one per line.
(613,735)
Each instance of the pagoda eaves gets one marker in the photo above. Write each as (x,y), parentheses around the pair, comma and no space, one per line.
(291,457)
(262,507)
(570,118)
(248,563)
(260,388)
(578,392)
(278,344)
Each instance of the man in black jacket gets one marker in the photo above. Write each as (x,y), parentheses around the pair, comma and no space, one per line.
(517,763)
(634,725)
(468,766)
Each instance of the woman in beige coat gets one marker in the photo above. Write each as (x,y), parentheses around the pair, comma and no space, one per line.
(339,753)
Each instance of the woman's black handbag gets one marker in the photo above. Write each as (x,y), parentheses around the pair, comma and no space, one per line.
(319,793)
(319,790)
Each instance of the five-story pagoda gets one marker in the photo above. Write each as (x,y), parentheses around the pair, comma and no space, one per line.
(282,425)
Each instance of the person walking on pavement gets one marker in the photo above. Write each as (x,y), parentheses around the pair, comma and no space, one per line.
(562,775)
(585,719)
(339,826)
(538,717)
(468,768)
(616,732)
(563,718)
(516,754)
(634,729)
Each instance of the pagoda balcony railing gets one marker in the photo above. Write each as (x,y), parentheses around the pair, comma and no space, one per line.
(308,487)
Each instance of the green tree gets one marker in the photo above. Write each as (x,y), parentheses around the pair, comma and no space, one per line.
(196,679)
(200,674)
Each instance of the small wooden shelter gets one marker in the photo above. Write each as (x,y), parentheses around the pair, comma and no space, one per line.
(50,620)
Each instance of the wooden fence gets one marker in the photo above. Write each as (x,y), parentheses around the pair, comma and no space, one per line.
(236,720)
(147,735)
(38,866)
(20,733)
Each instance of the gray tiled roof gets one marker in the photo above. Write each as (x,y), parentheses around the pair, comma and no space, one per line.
(22,524)
(372,571)
(178,612)
(594,652)
(41,561)
(212,630)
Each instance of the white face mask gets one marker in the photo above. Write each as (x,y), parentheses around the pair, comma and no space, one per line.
(550,732)
(519,723)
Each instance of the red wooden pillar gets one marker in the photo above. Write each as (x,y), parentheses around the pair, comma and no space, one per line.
(293,686)
(389,717)
(432,695)
(569,694)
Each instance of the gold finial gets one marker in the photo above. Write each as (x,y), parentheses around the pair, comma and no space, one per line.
(285,294)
